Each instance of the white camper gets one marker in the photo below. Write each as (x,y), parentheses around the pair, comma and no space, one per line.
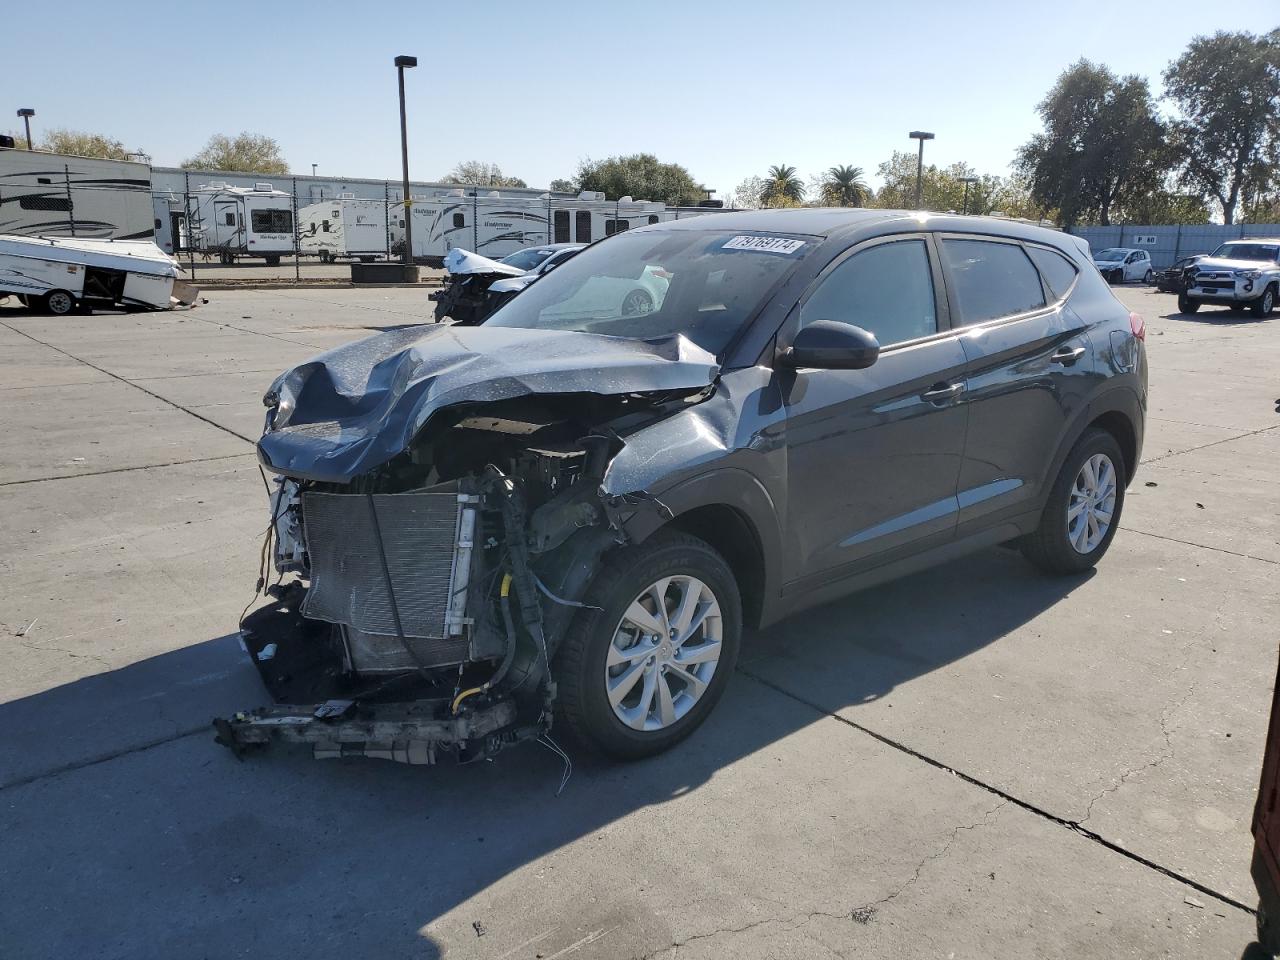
(60,274)
(496,226)
(236,222)
(343,226)
(52,194)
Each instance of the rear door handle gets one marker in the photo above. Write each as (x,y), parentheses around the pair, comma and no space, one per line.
(1067,355)
(942,392)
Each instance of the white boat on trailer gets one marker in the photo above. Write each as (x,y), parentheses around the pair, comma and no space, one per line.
(60,274)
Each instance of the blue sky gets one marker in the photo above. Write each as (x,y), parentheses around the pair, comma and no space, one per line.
(725,88)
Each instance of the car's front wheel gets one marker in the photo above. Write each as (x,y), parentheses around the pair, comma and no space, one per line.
(644,668)
(1149,277)
(1186,304)
(1083,510)
(1263,306)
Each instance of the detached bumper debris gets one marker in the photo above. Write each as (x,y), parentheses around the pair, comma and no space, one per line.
(439,507)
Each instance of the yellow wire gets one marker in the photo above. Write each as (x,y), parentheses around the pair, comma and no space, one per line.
(505,591)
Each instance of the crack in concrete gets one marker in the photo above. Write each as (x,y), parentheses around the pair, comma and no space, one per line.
(145,466)
(1072,825)
(861,914)
(126,380)
(1213,443)
(1202,546)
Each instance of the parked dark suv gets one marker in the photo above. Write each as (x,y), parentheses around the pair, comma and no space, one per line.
(572,511)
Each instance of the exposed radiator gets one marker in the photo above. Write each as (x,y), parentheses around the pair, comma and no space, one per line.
(427,539)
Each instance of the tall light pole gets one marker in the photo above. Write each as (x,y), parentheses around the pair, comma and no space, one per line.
(313,169)
(922,136)
(26,113)
(966,181)
(401,63)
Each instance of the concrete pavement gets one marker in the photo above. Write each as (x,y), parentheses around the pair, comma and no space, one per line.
(973,762)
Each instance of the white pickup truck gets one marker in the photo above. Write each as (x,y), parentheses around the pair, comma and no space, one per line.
(1240,274)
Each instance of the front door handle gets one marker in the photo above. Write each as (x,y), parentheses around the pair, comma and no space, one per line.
(1067,355)
(942,392)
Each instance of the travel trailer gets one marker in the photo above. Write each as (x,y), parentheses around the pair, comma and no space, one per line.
(344,227)
(52,194)
(62,274)
(494,226)
(236,222)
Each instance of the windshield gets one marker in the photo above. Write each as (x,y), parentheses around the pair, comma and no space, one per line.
(527,259)
(1112,253)
(1248,251)
(654,284)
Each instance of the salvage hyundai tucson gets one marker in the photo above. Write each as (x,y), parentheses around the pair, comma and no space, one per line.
(569,513)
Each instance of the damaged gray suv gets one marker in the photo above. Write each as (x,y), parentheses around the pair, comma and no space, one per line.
(570,512)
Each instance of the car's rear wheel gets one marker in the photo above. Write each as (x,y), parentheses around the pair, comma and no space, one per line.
(642,670)
(637,303)
(59,303)
(1083,510)
(1263,306)
(1186,304)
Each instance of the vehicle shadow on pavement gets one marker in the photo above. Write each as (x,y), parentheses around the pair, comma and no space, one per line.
(1216,317)
(175,845)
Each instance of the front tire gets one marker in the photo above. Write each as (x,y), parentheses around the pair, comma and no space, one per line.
(1186,304)
(1262,307)
(1149,277)
(645,670)
(1082,513)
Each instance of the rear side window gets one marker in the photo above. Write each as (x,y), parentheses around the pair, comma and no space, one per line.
(991,280)
(1058,272)
(887,290)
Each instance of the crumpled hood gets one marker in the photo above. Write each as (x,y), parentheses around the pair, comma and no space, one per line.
(354,408)
(1224,263)
(458,261)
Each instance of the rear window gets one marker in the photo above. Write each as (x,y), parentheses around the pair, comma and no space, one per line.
(271,221)
(991,280)
(1059,273)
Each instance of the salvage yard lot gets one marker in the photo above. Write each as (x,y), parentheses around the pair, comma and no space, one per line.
(973,762)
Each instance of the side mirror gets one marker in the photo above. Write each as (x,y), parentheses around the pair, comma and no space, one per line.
(831,345)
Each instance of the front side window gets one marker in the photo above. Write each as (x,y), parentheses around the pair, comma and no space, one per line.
(1058,272)
(271,221)
(991,280)
(652,285)
(887,290)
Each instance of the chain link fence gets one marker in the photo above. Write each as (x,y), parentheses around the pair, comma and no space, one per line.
(241,227)
(1169,244)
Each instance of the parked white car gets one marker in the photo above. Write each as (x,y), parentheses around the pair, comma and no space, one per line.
(1240,274)
(1122,264)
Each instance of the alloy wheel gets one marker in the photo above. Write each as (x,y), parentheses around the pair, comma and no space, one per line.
(663,653)
(1092,503)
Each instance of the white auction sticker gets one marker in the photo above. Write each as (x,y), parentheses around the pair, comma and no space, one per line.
(764,244)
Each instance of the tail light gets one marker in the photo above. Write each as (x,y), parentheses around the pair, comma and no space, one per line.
(1138,326)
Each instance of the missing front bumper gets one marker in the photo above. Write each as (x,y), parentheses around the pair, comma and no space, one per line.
(414,733)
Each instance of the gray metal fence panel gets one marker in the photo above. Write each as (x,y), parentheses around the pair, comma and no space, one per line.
(1169,243)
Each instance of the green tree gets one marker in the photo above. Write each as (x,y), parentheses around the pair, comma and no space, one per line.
(782,188)
(1102,145)
(641,176)
(245,153)
(940,189)
(564,186)
(481,174)
(1227,88)
(844,186)
(78,143)
(746,195)
(1164,207)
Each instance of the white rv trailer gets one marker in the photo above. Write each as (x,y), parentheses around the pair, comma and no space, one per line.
(52,194)
(344,227)
(495,226)
(59,274)
(236,222)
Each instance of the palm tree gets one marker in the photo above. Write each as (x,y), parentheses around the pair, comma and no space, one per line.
(845,187)
(782,187)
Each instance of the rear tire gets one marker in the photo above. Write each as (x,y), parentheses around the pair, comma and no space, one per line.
(1186,304)
(1262,307)
(582,669)
(58,302)
(1076,505)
